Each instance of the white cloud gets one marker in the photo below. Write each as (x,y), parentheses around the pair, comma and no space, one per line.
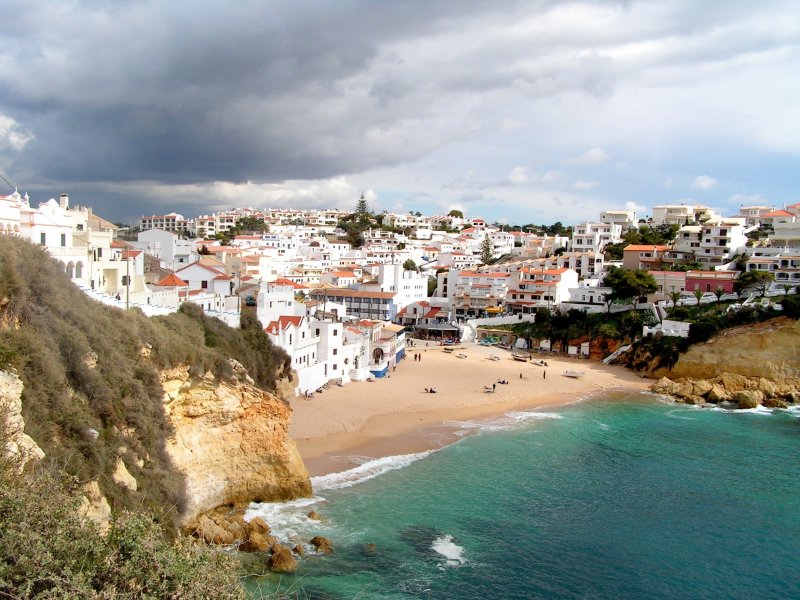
(13,136)
(585,185)
(518,175)
(590,158)
(703,182)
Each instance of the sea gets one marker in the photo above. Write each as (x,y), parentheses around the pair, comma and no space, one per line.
(624,495)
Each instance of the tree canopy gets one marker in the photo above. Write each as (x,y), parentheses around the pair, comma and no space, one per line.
(487,250)
(456,213)
(753,281)
(629,285)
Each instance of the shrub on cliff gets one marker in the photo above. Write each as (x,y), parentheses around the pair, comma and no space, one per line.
(791,306)
(47,551)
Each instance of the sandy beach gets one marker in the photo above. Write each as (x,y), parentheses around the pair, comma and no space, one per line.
(342,426)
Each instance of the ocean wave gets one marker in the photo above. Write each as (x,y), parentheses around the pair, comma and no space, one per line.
(452,552)
(729,407)
(531,415)
(366,471)
(507,422)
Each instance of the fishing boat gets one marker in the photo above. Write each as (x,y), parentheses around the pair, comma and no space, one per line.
(493,357)
(461,355)
(520,357)
(539,363)
(573,373)
(504,346)
(448,350)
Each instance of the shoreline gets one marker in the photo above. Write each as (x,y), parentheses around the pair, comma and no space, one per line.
(348,425)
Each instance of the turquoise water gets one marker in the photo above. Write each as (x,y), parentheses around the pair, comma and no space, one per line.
(630,498)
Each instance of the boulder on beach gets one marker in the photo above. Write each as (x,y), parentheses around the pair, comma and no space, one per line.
(212,533)
(299,550)
(717,394)
(748,398)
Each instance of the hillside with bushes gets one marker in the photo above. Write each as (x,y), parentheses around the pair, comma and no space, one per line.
(91,376)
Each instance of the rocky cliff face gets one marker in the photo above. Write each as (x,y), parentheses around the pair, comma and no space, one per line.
(750,366)
(18,445)
(231,441)
(769,350)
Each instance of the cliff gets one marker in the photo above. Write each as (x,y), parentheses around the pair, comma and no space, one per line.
(749,365)
(153,414)
(18,445)
(769,350)
(231,443)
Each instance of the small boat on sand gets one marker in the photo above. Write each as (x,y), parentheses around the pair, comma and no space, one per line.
(493,357)
(504,346)
(449,350)
(539,363)
(573,373)
(520,357)
(461,355)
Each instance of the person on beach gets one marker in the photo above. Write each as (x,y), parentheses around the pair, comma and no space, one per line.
(494,385)
(544,374)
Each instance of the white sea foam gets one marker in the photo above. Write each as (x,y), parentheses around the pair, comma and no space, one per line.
(366,471)
(452,552)
(506,422)
(287,520)
(729,407)
(524,415)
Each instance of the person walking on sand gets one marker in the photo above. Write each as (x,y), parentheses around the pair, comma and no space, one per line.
(520,375)
(544,374)
(494,385)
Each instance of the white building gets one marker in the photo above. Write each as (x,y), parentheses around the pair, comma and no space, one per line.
(682,214)
(593,237)
(174,251)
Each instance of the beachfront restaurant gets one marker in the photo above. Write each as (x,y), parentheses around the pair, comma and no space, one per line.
(437,331)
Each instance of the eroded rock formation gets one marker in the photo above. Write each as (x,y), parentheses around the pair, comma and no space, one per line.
(768,350)
(18,445)
(231,441)
(750,366)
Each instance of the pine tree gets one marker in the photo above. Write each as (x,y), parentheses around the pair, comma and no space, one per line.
(487,251)
(361,208)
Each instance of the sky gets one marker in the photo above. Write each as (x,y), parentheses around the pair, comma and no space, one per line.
(518,112)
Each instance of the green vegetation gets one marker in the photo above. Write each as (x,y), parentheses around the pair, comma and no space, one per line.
(753,281)
(487,251)
(91,375)
(628,285)
(410,265)
(646,235)
(48,551)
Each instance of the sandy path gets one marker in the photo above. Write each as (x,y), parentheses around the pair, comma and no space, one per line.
(395,416)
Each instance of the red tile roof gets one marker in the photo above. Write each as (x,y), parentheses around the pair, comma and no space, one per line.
(172,280)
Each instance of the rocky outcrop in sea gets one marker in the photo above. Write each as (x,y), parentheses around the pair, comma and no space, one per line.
(231,441)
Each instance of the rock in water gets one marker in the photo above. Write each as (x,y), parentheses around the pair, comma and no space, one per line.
(314,516)
(281,560)
(322,544)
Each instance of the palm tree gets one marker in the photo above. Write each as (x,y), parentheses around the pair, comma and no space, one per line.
(698,293)
(786,288)
(719,293)
(675,297)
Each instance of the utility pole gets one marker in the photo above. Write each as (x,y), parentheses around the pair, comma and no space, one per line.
(127,280)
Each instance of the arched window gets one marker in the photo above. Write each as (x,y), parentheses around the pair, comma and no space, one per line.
(70,270)
(79,270)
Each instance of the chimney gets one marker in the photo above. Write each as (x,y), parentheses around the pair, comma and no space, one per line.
(63,200)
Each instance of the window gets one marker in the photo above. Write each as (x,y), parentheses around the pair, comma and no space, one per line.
(63,239)
(42,239)
(204,284)
(335,352)
(335,332)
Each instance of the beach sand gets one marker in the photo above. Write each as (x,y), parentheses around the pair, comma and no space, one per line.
(344,426)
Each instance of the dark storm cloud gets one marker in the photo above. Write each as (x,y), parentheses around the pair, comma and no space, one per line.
(224,91)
